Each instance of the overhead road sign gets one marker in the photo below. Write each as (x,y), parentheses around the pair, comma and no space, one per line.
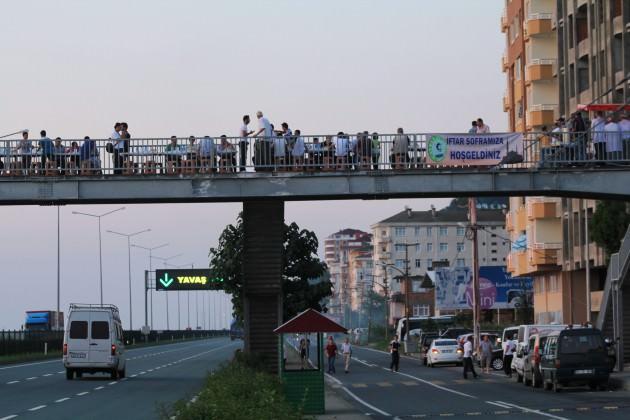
(186,279)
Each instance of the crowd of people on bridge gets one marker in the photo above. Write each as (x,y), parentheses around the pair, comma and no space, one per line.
(268,148)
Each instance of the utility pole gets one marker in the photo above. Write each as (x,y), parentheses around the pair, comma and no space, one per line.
(472,208)
(407,287)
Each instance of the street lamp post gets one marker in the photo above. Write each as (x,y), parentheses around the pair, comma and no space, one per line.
(100,253)
(165,260)
(407,285)
(128,236)
(146,288)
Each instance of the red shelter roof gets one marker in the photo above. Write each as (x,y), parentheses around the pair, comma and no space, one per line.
(310,321)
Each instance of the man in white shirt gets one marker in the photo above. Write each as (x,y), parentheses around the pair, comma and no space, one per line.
(481,127)
(264,126)
(242,144)
(346,350)
(624,126)
(509,347)
(341,150)
(613,139)
(468,362)
(119,146)
(263,158)
(598,136)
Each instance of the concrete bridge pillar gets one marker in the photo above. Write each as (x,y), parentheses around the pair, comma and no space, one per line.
(262,273)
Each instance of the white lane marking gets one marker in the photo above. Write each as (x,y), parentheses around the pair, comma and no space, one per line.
(31,378)
(443,388)
(112,383)
(359,400)
(62,400)
(12,382)
(141,373)
(528,410)
(47,374)
(365,363)
(39,407)
(62,371)
(80,394)
(497,404)
(150,370)
(28,364)
(98,388)
(12,416)
(134,375)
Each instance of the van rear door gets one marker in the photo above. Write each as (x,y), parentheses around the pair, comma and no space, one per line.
(581,351)
(100,341)
(78,338)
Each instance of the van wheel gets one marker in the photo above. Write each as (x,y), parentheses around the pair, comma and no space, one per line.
(497,363)
(555,385)
(69,374)
(114,374)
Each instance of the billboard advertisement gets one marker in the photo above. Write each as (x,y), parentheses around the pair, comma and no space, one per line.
(497,288)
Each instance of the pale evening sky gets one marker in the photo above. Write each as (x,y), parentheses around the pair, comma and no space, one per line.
(195,67)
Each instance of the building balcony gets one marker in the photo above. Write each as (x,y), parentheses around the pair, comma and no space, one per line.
(617,25)
(509,226)
(583,48)
(504,62)
(538,257)
(540,70)
(520,219)
(539,23)
(506,103)
(504,22)
(539,115)
(541,210)
(517,263)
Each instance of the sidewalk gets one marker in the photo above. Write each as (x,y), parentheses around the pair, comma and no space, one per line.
(337,407)
(621,380)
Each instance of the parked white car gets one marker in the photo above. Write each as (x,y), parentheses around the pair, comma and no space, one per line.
(93,341)
(444,351)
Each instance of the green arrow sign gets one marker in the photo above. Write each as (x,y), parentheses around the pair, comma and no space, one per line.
(166,281)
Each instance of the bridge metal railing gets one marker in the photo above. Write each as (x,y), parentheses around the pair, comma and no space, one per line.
(295,153)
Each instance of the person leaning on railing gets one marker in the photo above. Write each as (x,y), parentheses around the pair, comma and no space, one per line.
(59,153)
(90,162)
(376,151)
(173,157)
(400,149)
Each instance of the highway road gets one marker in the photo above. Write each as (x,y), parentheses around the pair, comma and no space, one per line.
(156,377)
(417,391)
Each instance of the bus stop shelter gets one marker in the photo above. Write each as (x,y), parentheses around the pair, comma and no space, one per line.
(304,382)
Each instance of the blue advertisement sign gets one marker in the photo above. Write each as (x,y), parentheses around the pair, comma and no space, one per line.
(497,288)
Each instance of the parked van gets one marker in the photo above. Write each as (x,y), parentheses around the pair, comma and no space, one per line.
(575,357)
(93,341)
(532,375)
(524,332)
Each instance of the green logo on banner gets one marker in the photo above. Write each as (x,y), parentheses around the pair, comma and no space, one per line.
(166,281)
(436,148)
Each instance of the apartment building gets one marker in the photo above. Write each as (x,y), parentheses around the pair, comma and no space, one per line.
(337,249)
(530,64)
(360,269)
(425,238)
(593,52)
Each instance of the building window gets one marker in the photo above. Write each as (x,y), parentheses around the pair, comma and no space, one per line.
(429,247)
(517,68)
(443,247)
(443,231)
(369,264)
(400,264)
(494,251)
(416,231)
(461,231)
(429,263)
(494,260)
(461,262)
(421,310)
(418,247)
(399,231)
(399,248)
(418,263)
(460,247)
(429,230)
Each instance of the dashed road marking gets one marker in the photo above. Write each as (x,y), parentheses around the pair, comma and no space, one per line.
(556,410)
(31,378)
(438,382)
(502,412)
(358,385)
(80,394)
(583,408)
(384,384)
(12,416)
(47,374)
(447,414)
(62,371)
(610,407)
(60,400)
(409,383)
(474,413)
(39,407)
(12,382)
(98,388)
(134,375)
(113,383)
(142,373)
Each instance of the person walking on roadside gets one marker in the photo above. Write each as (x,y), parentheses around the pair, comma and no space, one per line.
(394,347)
(468,362)
(331,353)
(486,353)
(508,354)
(346,350)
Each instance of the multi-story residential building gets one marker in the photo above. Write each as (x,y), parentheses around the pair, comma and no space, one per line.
(337,248)
(530,64)
(360,268)
(593,58)
(421,238)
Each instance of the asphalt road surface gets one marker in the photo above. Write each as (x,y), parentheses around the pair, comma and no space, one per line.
(156,377)
(417,391)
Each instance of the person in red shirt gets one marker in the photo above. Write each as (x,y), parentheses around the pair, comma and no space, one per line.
(331,353)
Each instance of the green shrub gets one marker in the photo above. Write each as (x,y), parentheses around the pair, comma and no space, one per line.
(237,391)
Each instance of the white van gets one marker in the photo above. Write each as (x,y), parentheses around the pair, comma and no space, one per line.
(93,341)
(524,332)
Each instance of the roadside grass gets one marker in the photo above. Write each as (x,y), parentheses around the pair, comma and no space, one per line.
(237,391)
